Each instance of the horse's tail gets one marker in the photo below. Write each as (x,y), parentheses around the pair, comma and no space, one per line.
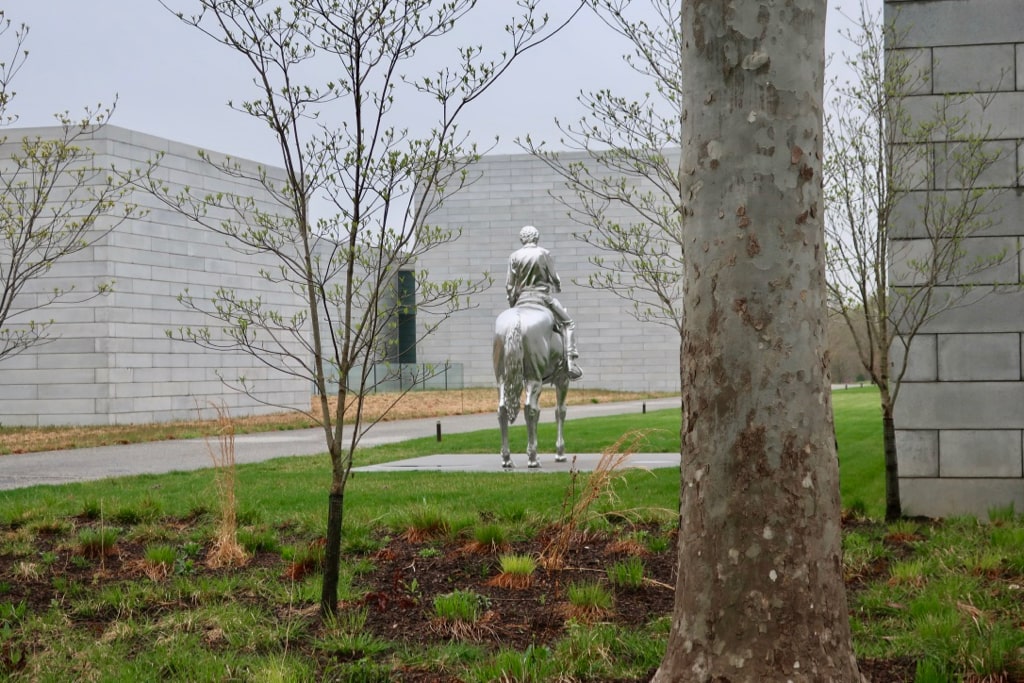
(513,379)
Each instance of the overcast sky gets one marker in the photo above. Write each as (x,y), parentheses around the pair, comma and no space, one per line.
(171,81)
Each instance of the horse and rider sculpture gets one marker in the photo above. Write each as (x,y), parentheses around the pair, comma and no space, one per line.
(534,344)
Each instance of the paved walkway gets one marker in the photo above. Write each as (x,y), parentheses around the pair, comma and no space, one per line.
(491,462)
(86,464)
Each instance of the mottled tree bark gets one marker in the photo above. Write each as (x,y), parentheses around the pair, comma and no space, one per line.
(760,593)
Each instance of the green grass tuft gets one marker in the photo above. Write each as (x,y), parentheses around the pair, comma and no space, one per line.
(99,542)
(1001,514)
(490,536)
(256,540)
(535,665)
(460,606)
(517,565)
(628,573)
(161,555)
(589,595)
(422,522)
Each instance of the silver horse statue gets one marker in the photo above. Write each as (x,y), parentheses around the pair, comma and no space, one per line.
(528,353)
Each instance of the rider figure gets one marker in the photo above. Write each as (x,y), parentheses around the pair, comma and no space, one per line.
(532,276)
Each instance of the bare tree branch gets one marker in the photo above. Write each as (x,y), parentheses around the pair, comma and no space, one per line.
(54,202)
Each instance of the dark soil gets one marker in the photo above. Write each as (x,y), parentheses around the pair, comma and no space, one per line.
(399,590)
(405,582)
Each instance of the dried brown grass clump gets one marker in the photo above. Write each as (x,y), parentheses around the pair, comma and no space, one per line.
(627,546)
(418,535)
(226,550)
(475,547)
(425,523)
(576,507)
(458,629)
(226,553)
(155,571)
(98,543)
(584,614)
(511,581)
(309,561)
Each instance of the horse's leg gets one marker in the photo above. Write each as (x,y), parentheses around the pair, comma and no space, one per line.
(561,391)
(532,412)
(506,453)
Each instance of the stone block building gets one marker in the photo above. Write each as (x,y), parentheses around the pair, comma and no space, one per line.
(508,192)
(111,361)
(960,414)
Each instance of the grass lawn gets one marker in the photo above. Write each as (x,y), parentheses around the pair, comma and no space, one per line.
(858,419)
(110,580)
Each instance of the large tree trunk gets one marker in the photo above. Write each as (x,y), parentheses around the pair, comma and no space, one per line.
(760,594)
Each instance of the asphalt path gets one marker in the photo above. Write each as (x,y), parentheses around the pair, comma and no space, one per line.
(87,464)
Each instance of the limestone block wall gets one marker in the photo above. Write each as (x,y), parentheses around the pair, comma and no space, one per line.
(960,413)
(616,351)
(113,362)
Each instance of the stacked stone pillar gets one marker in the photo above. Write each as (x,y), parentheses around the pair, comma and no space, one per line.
(960,411)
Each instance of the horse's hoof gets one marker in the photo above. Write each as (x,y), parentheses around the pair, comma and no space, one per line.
(560,458)
(533,464)
(507,464)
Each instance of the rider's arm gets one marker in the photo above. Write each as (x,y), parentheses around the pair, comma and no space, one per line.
(553,279)
(510,284)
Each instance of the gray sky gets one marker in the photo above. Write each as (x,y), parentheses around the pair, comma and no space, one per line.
(173,82)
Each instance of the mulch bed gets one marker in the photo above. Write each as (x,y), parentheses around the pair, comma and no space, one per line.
(405,578)
(401,608)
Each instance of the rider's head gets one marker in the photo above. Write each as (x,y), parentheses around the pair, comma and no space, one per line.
(529,235)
